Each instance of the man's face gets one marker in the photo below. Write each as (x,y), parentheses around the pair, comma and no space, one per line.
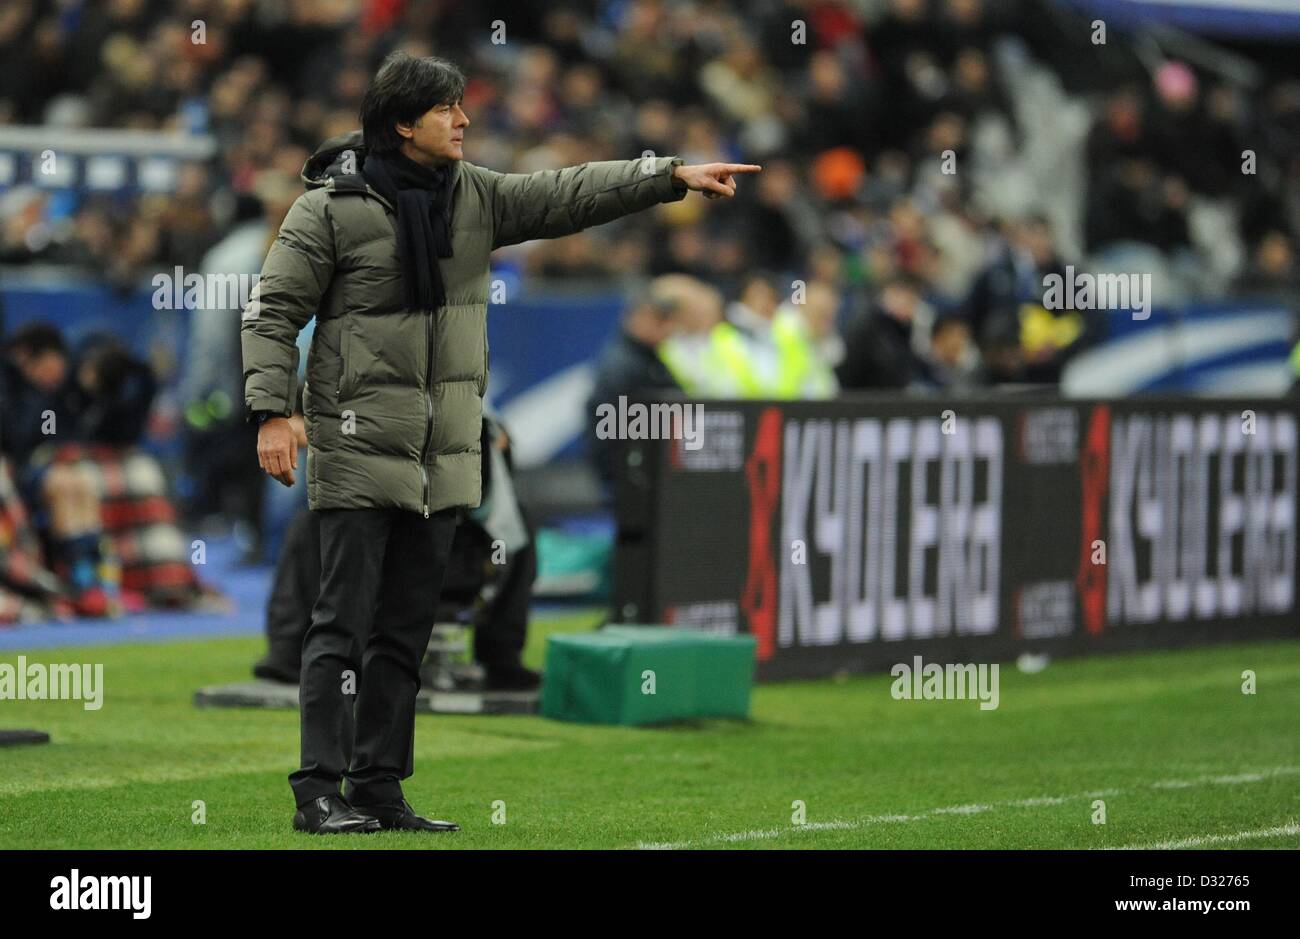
(44,370)
(438,135)
(900,301)
(1039,242)
(657,323)
(949,343)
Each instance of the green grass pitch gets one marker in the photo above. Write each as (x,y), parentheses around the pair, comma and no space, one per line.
(1168,741)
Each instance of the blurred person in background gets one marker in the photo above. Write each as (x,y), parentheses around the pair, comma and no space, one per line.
(65,412)
(631,364)
(29,591)
(1273,270)
(34,369)
(1293,363)
(219,444)
(876,83)
(763,351)
(40,393)
(819,312)
(879,351)
(780,223)
(954,362)
(1007,300)
(686,351)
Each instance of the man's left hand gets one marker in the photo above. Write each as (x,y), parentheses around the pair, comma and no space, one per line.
(714,179)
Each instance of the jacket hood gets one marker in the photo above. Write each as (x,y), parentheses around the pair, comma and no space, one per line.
(327,161)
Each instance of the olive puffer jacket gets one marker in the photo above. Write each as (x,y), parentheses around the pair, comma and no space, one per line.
(393,396)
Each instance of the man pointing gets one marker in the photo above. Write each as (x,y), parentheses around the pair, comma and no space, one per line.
(389,250)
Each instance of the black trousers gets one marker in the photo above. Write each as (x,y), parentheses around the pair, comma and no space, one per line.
(500,628)
(381,574)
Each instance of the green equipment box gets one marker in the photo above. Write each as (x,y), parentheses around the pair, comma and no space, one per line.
(646,675)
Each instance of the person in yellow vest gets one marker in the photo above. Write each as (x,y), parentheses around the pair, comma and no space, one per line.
(762,351)
(817,305)
(686,353)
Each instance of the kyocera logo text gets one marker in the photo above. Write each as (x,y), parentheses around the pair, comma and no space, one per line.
(1202,516)
(846,487)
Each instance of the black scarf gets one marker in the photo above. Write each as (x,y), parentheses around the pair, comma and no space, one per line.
(422,198)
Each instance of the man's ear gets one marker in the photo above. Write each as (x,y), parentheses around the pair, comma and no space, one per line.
(405,130)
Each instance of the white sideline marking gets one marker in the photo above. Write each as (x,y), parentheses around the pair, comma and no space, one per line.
(1032,802)
(751,835)
(961,810)
(826,826)
(1291,829)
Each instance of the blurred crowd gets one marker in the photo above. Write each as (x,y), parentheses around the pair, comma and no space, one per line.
(853,126)
(893,133)
(902,150)
(926,164)
(87,527)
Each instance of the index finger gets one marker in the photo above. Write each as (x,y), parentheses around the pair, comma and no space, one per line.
(742,168)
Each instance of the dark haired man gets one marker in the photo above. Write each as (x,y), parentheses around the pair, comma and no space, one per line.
(878,349)
(389,250)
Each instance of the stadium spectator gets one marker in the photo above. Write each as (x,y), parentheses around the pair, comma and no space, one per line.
(630,363)
(862,114)
(879,349)
(854,127)
(954,361)
(69,426)
(35,367)
(219,444)
(820,312)
(761,350)
(29,591)
(1273,268)
(1006,307)
(699,309)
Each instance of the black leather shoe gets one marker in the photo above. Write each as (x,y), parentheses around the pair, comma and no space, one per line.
(399,816)
(331,815)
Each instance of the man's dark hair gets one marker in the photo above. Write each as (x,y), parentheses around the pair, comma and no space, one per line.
(111,360)
(404,88)
(36,339)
